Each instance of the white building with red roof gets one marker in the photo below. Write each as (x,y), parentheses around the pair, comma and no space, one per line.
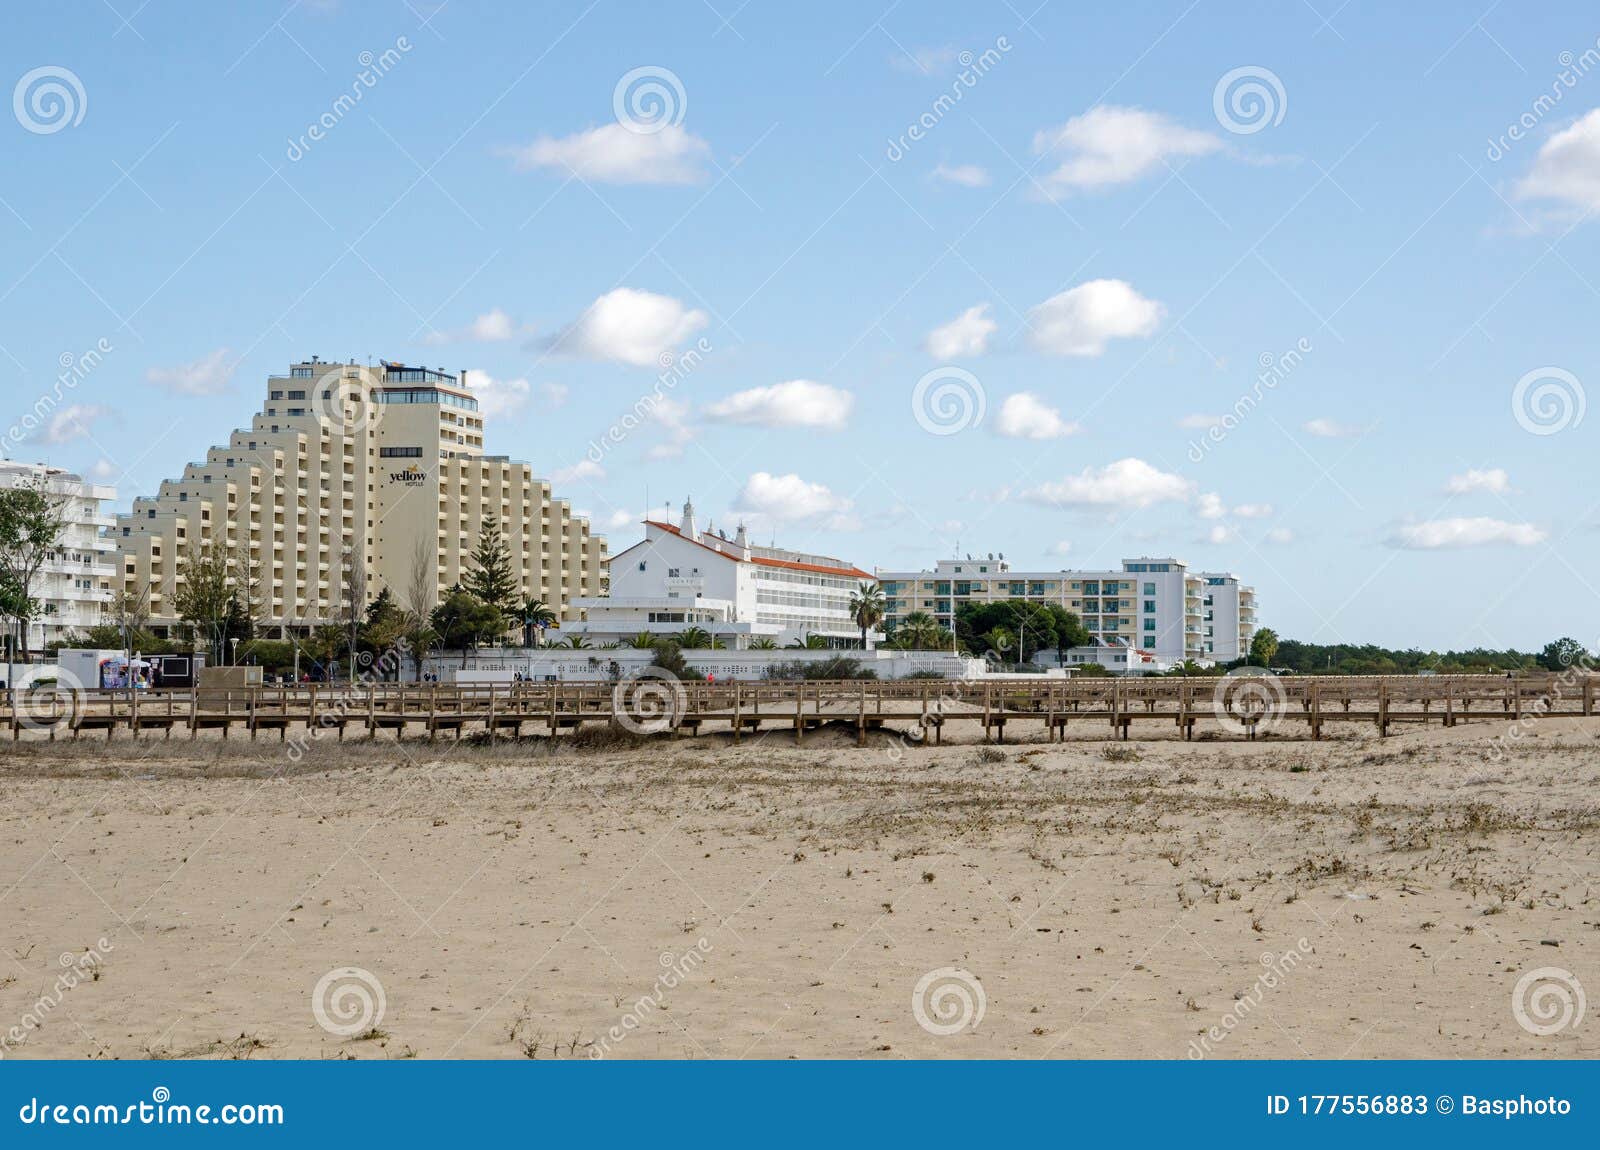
(680,577)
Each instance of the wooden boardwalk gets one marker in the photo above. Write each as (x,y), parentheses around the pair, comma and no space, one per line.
(1241,706)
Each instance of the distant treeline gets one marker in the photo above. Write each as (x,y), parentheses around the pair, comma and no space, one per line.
(1367,659)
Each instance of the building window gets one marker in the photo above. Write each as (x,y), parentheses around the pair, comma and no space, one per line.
(641,564)
(1150,605)
(1149,643)
(1149,588)
(1149,624)
(399,453)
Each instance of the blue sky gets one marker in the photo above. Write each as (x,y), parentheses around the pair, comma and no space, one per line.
(1094,242)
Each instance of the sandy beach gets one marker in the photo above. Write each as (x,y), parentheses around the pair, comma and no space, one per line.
(691,899)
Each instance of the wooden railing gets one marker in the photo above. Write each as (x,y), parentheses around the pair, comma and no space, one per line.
(1243,705)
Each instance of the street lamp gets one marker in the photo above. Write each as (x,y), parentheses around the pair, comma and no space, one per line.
(235,641)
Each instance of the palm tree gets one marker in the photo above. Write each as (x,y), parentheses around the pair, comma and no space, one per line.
(867,605)
(763,643)
(809,643)
(575,643)
(694,639)
(535,614)
(643,641)
(919,631)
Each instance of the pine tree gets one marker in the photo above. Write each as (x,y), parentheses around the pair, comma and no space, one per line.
(492,580)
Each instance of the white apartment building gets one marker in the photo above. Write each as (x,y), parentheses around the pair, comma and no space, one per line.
(680,577)
(383,466)
(74,587)
(1153,612)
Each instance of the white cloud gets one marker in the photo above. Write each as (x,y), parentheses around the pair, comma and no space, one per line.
(790,499)
(1080,320)
(613,154)
(794,403)
(1280,535)
(1567,167)
(497,397)
(1253,510)
(1026,416)
(494,326)
(583,469)
(1439,534)
(964,175)
(1127,483)
(104,470)
(207,375)
(1332,429)
(1494,480)
(966,335)
(629,326)
(1060,548)
(72,422)
(620,519)
(1221,533)
(1199,422)
(1210,506)
(1110,145)
(554,394)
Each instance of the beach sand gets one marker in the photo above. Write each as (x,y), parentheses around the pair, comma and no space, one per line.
(687,898)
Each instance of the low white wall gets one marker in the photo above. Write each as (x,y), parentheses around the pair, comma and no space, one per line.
(499,666)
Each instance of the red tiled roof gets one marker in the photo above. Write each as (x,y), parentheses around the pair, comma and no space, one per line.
(762,561)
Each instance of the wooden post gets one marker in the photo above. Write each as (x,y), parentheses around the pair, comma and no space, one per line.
(1383,708)
(1316,709)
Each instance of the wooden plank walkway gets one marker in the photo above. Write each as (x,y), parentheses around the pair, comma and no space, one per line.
(1238,705)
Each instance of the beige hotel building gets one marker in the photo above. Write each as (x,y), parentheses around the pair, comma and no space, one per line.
(384,461)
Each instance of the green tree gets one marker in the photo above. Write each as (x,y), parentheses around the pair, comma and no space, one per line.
(204,598)
(463,620)
(920,631)
(867,608)
(32,521)
(492,580)
(1264,647)
(763,643)
(669,658)
(575,643)
(809,643)
(535,616)
(1562,653)
(643,641)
